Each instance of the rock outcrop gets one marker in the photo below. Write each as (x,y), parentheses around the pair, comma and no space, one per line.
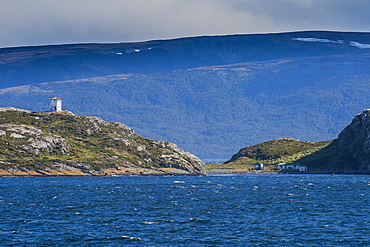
(349,153)
(35,140)
(48,143)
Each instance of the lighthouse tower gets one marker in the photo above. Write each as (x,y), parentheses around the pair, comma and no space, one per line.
(55,104)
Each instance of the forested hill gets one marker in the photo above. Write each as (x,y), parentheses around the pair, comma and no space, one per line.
(210,95)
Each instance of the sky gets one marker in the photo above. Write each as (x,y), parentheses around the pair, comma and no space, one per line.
(41,22)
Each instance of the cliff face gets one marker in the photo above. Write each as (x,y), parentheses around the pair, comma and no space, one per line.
(349,153)
(35,143)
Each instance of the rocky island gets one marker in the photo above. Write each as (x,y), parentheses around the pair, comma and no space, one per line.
(61,143)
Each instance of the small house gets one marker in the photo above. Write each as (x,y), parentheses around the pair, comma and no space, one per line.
(55,104)
(259,166)
(292,166)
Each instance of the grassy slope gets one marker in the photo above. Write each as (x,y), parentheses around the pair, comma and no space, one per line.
(100,149)
(269,153)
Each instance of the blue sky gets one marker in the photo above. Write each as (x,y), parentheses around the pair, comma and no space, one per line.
(38,22)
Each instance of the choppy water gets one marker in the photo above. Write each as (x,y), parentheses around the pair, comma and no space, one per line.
(271,210)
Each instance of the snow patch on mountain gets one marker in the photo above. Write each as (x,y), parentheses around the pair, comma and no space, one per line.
(319,40)
(351,43)
(359,45)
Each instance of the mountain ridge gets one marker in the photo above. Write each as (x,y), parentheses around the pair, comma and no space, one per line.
(92,60)
(214,94)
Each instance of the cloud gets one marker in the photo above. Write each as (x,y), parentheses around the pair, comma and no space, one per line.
(25,22)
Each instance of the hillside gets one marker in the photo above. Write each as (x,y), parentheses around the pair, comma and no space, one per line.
(349,153)
(282,150)
(49,143)
(278,150)
(209,95)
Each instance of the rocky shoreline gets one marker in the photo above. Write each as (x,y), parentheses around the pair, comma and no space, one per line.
(107,172)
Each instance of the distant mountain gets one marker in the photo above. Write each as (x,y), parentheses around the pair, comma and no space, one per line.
(50,143)
(210,95)
(29,65)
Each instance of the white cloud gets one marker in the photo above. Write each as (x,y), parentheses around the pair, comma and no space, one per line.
(25,22)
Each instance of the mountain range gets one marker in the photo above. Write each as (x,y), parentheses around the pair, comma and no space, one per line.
(210,95)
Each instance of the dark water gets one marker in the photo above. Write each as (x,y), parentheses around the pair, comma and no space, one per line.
(271,210)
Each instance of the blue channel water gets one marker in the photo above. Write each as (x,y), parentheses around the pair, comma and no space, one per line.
(245,210)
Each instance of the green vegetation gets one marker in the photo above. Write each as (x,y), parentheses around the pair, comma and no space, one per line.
(270,153)
(40,140)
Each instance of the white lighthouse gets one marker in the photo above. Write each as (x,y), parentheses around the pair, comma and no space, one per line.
(55,104)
